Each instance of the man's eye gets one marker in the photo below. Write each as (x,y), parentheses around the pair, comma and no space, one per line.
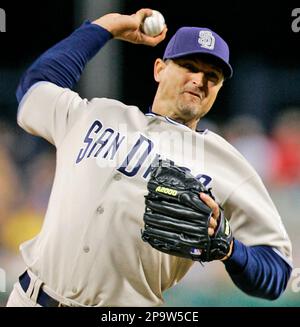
(212,77)
(190,67)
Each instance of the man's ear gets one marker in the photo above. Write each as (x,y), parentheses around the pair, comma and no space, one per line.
(159,67)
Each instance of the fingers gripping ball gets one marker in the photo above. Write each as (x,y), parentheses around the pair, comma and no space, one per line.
(154,24)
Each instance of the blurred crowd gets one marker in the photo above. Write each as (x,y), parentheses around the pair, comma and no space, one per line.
(275,154)
(27,166)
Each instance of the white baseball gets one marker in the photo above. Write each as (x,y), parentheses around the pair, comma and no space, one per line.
(154,24)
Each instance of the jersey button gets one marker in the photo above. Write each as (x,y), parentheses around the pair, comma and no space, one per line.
(100,210)
(86,249)
(74,290)
(117,177)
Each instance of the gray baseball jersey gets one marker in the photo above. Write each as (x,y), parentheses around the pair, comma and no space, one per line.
(90,248)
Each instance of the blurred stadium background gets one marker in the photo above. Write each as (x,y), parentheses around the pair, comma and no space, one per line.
(258,111)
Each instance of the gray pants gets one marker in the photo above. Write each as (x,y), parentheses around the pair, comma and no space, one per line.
(19,298)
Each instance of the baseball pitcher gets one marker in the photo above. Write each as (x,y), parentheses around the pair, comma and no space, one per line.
(137,199)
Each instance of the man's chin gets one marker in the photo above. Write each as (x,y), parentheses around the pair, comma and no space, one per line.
(189,112)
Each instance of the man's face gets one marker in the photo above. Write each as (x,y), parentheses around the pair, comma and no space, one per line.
(187,87)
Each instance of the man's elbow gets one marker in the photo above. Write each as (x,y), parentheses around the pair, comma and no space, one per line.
(277,288)
(280,289)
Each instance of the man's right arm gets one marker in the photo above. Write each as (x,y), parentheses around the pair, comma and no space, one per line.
(63,63)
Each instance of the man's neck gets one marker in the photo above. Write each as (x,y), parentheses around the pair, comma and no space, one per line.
(190,124)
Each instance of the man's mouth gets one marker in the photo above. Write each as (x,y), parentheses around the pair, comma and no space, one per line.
(196,94)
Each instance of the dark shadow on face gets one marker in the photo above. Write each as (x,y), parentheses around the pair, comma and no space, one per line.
(207,58)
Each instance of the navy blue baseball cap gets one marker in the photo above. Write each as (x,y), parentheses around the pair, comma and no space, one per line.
(199,40)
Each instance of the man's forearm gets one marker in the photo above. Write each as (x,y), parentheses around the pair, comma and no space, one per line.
(258,270)
(63,63)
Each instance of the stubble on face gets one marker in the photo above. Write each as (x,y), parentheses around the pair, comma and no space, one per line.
(183,96)
(189,107)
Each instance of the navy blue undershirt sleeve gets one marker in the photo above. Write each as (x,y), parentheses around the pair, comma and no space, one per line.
(258,270)
(64,62)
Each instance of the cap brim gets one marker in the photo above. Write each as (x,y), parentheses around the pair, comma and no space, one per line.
(209,57)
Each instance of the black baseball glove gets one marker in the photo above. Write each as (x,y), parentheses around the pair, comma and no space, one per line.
(177,220)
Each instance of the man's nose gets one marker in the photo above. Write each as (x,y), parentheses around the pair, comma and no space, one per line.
(199,79)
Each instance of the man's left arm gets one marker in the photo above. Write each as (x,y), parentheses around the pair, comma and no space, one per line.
(258,270)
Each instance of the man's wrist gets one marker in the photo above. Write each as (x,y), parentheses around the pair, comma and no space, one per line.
(228,255)
(107,22)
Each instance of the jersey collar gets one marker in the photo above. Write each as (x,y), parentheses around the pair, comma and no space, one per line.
(172,121)
(168,119)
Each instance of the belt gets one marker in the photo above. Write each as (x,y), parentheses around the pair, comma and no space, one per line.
(43,298)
